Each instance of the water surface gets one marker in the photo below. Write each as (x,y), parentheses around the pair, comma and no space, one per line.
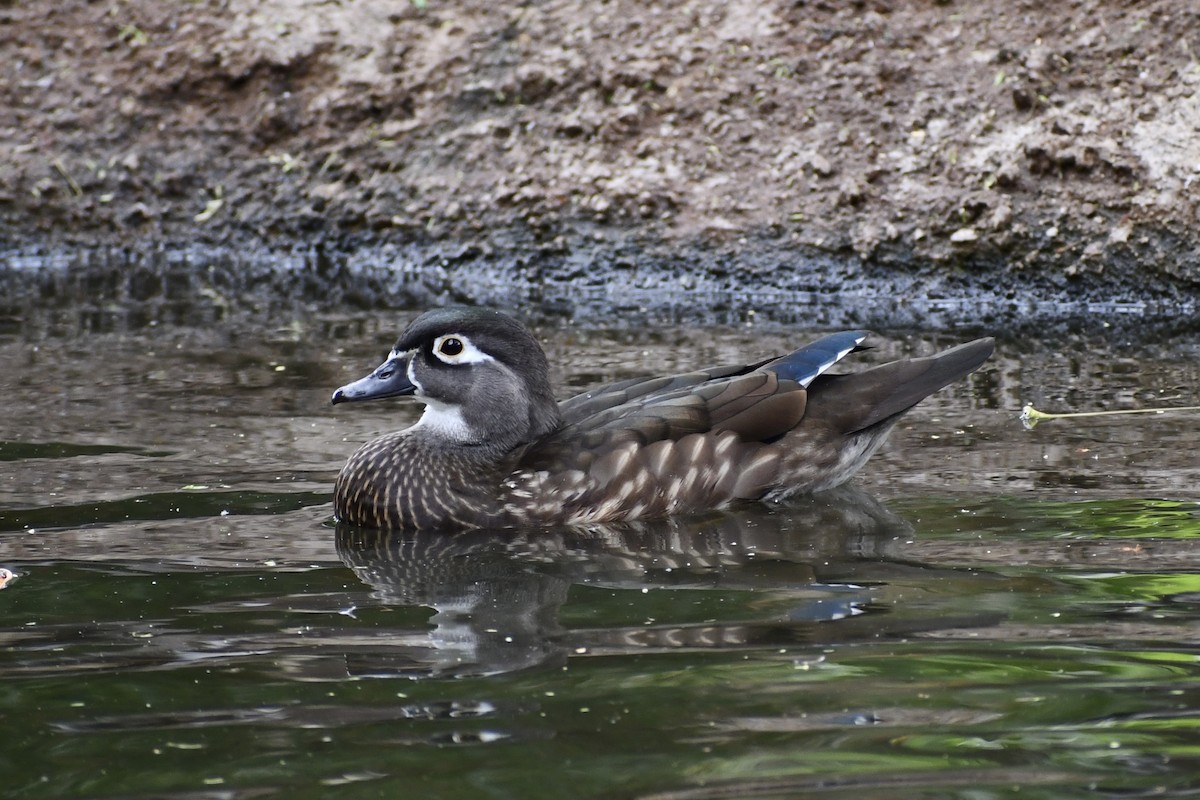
(988,608)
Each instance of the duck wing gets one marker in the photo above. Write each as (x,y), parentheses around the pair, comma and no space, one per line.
(661,445)
(801,366)
(759,402)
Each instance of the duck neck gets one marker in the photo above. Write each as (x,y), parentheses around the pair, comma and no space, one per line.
(489,432)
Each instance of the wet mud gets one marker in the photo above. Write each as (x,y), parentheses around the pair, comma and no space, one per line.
(936,153)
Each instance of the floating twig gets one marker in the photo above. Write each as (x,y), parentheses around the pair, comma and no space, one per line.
(1030,416)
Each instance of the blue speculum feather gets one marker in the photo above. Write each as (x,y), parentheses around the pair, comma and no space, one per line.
(813,359)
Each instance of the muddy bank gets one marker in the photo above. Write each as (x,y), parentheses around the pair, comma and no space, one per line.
(926,151)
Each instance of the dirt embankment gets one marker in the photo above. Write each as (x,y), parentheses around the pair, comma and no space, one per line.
(1006,144)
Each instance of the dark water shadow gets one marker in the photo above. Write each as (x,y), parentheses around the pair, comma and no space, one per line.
(111,289)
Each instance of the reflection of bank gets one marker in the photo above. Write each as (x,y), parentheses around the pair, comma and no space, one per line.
(824,564)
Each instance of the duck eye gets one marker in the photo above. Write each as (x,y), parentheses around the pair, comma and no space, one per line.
(450,346)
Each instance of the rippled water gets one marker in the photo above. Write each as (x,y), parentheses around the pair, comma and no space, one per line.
(989,609)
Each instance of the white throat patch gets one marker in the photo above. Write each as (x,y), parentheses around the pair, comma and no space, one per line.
(445,422)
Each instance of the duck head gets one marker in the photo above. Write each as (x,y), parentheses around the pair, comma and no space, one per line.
(482,376)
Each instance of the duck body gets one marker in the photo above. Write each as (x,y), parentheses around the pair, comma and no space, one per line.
(495,450)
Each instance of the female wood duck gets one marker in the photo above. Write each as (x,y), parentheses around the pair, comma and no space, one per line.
(494,450)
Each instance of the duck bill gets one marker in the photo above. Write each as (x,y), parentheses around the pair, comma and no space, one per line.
(390,379)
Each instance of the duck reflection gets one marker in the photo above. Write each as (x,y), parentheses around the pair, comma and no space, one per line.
(498,594)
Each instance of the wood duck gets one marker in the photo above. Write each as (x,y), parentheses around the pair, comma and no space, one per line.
(494,449)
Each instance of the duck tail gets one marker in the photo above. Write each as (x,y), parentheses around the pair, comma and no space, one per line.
(882,393)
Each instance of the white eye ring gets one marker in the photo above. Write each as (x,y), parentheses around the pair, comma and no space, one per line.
(454,348)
